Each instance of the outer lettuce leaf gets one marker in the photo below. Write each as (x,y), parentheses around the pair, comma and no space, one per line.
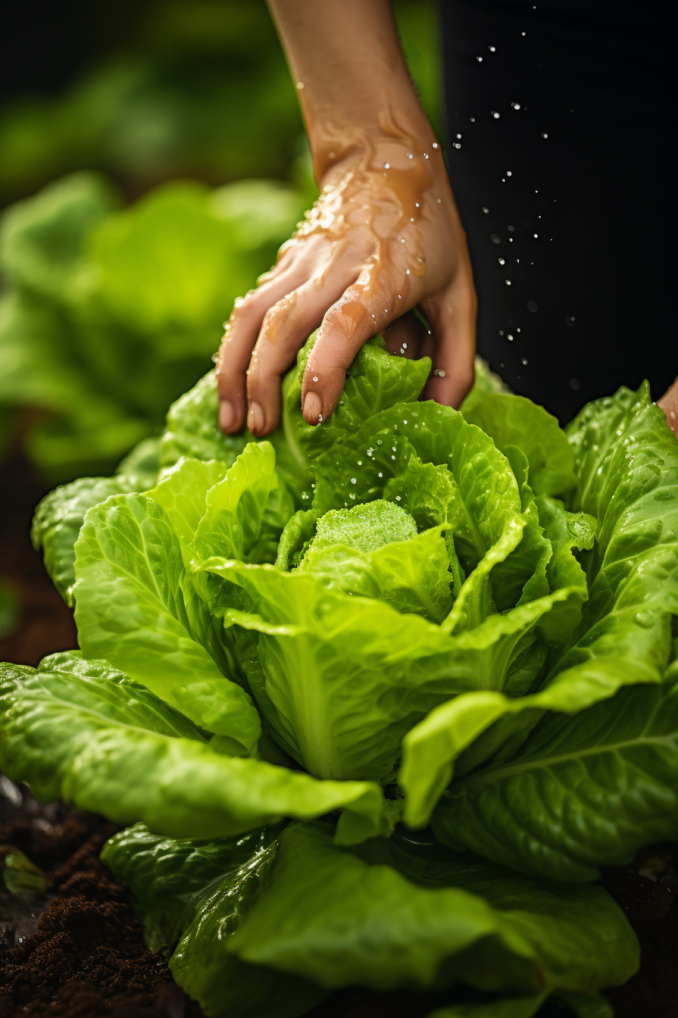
(627,458)
(517,421)
(60,514)
(581,793)
(193,430)
(137,607)
(170,879)
(328,915)
(85,732)
(57,522)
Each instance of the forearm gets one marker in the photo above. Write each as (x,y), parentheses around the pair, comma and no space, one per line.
(353,82)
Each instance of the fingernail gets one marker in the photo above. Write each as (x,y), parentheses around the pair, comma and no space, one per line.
(255,418)
(313,406)
(226,415)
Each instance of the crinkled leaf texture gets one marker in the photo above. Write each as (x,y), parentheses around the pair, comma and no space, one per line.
(288,909)
(342,918)
(191,896)
(86,732)
(582,792)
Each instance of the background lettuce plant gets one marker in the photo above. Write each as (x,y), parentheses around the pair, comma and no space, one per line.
(110,313)
(379,698)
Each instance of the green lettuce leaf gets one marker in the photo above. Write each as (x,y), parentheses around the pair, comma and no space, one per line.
(86,732)
(581,793)
(246,511)
(375,381)
(517,421)
(374,550)
(197,892)
(137,607)
(339,919)
(470,484)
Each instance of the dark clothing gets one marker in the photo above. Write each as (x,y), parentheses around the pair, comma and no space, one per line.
(571,185)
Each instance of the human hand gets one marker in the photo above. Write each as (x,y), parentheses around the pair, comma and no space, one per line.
(669,404)
(383,237)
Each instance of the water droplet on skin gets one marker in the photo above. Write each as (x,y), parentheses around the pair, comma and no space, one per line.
(532,305)
(300,85)
(479,59)
(407,272)
(516,106)
(387,166)
(494,114)
(456,144)
(458,136)
(502,261)
(492,49)
(508,282)
(315,378)
(435,144)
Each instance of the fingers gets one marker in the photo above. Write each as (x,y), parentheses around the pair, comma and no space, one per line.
(241,335)
(452,316)
(285,329)
(669,404)
(405,336)
(363,310)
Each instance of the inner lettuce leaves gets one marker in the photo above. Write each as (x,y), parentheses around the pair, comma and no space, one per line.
(298,652)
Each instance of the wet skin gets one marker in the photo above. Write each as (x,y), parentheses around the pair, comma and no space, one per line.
(384,237)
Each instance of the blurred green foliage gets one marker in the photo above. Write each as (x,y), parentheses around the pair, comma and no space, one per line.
(109,313)
(196,88)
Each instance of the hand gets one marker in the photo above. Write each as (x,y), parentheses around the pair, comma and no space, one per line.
(383,237)
(669,404)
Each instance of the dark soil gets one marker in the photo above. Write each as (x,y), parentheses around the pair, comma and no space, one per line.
(76,951)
